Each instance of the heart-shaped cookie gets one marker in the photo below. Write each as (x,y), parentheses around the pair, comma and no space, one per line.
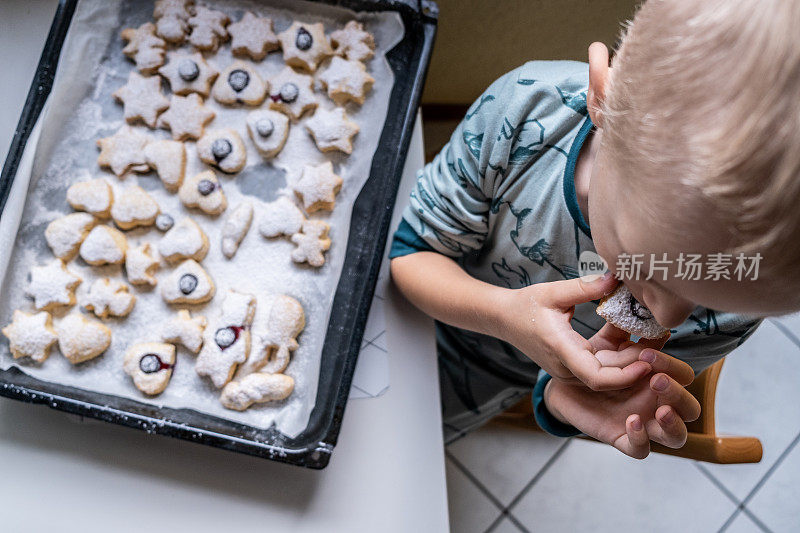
(134,207)
(81,339)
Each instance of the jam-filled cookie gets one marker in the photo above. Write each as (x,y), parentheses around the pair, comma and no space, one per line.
(204,192)
(171,18)
(65,234)
(52,285)
(185,240)
(353,42)
(123,151)
(239,84)
(144,47)
(94,196)
(188,73)
(268,130)
(109,297)
(188,284)
(81,339)
(134,207)
(256,388)
(621,309)
(104,246)
(346,81)
(292,93)
(317,187)
(141,99)
(311,243)
(186,117)
(305,45)
(224,149)
(253,36)
(168,159)
(150,366)
(236,226)
(208,29)
(30,335)
(227,341)
(332,130)
(185,329)
(141,266)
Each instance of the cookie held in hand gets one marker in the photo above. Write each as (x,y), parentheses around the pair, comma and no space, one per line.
(622,310)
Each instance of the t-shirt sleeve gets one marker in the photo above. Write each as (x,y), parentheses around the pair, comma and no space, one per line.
(448,210)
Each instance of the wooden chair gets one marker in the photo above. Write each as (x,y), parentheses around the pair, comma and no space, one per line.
(703,442)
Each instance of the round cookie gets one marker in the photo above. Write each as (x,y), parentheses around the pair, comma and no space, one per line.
(168,158)
(30,335)
(291,93)
(268,130)
(104,246)
(140,265)
(150,366)
(346,81)
(332,130)
(236,226)
(65,234)
(185,240)
(185,330)
(253,37)
(134,207)
(305,45)
(188,73)
(223,148)
(81,339)
(52,285)
(93,196)
(208,29)
(256,388)
(109,297)
(204,192)
(239,84)
(187,284)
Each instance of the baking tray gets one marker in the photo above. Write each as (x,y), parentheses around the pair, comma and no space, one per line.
(369,227)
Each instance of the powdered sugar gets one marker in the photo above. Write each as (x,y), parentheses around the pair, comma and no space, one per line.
(237,223)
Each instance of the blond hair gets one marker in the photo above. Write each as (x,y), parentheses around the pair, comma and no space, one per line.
(709,90)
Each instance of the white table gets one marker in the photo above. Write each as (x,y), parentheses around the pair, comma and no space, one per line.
(386,473)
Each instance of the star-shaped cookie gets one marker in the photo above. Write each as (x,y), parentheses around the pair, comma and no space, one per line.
(188,73)
(144,47)
(317,187)
(52,285)
(346,80)
(31,335)
(123,151)
(142,99)
(305,45)
(186,117)
(291,93)
(332,130)
(311,242)
(253,36)
(353,42)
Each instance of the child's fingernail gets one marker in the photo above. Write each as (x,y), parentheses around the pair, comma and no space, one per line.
(668,417)
(607,276)
(661,384)
(648,356)
(637,424)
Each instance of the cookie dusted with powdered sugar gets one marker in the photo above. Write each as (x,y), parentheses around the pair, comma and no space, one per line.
(256,388)
(184,329)
(189,283)
(172,18)
(150,366)
(224,149)
(65,234)
(185,240)
(144,47)
(332,130)
(208,29)
(276,339)
(186,117)
(280,217)
(239,84)
(346,81)
(134,207)
(621,309)
(168,159)
(30,335)
(353,42)
(204,192)
(226,342)
(104,246)
(253,37)
(81,339)
(141,266)
(141,99)
(317,187)
(236,226)
(268,130)
(311,243)
(305,45)
(123,151)
(52,286)
(93,196)
(291,93)
(188,73)
(109,297)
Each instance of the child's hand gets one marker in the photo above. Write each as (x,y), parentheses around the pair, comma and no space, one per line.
(628,419)
(536,319)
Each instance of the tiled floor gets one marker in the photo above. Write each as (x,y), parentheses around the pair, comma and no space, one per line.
(510,480)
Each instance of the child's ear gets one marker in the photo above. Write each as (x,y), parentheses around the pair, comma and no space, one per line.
(598,77)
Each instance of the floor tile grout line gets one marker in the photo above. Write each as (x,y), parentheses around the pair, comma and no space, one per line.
(553,458)
(756,520)
(736,512)
(771,470)
(786,331)
(514,520)
(717,483)
(475,481)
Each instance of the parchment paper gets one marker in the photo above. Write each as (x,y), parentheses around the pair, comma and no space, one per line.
(62,150)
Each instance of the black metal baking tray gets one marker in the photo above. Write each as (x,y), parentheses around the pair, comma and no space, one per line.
(369,227)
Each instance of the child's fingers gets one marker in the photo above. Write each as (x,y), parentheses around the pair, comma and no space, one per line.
(667,428)
(673,367)
(635,442)
(655,344)
(671,393)
(588,368)
(571,292)
(610,337)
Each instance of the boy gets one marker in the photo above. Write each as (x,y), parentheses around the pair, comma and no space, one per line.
(688,145)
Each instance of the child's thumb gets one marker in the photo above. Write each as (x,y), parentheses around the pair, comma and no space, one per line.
(571,292)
